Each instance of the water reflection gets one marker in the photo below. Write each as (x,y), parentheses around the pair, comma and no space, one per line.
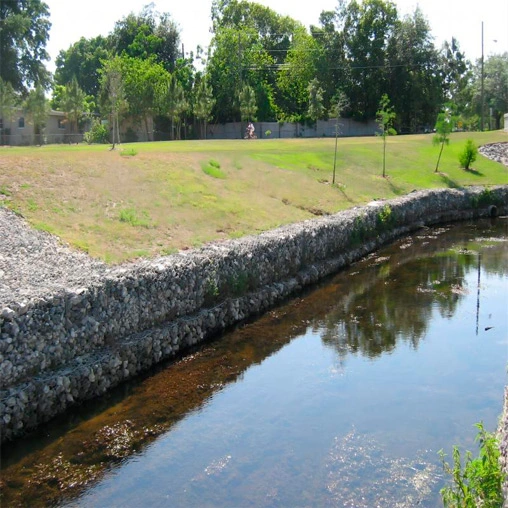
(382,302)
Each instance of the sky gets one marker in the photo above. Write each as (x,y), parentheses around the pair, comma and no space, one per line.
(72,20)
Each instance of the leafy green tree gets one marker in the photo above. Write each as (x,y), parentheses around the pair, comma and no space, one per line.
(24,32)
(113,100)
(203,105)
(225,71)
(83,61)
(414,83)
(250,45)
(173,103)
(496,86)
(385,118)
(8,100)
(141,81)
(468,155)
(330,59)
(248,106)
(273,31)
(147,34)
(368,29)
(316,110)
(37,110)
(444,126)
(455,72)
(296,75)
(74,104)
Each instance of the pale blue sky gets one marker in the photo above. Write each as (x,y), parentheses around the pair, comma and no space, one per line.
(459,18)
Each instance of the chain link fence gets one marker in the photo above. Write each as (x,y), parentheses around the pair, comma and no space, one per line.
(39,139)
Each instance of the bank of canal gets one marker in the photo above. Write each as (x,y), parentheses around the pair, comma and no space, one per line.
(71,329)
(341,397)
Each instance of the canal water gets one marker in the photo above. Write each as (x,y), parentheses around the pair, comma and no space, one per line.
(341,397)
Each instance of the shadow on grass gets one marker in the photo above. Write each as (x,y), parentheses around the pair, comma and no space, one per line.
(474,172)
(398,191)
(341,188)
(449,182)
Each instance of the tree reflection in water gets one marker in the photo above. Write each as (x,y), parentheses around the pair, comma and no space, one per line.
(394,296)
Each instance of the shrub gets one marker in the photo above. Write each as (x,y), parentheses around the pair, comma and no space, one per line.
(98,133)
(468,155)
(131,216)
(128,152)
(479,482)
(212,168)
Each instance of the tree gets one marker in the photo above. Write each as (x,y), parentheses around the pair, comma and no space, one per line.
(113,95)
(173,103)
(385,117)
(330,61)
(468,155)
(444,126)
(24,32)
(83,61)
(147,34)
(316,108)
(73,103)
(8,100)
(455,74)
(203,104)
(142,81)
(37,110)
(367,29)
(496,86)
(414,80)
(248,106)
(250,45)
(296,75)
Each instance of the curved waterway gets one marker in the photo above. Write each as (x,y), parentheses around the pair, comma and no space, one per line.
(341,397)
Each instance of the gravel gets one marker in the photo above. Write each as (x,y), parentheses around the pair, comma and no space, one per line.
(496,151)
(34,263)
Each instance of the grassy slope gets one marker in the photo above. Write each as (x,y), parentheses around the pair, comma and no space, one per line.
(119,207)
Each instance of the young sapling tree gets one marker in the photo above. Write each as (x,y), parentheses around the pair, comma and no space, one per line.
(385,117)
(444,126)
(468,155)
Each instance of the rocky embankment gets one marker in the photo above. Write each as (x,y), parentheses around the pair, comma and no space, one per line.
(71,327)
(496,151)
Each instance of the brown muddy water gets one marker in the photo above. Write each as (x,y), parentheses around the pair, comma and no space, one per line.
(341,397)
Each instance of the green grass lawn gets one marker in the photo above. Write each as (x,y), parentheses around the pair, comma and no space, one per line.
(155,198)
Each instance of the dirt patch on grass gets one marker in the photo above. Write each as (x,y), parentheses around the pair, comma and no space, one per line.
(119,208)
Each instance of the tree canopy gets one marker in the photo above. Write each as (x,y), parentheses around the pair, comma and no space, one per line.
(361,51)
(24,32)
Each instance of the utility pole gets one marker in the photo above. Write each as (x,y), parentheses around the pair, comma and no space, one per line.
(482,88)
(336,139)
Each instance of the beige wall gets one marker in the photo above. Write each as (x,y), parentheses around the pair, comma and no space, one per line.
(13,134)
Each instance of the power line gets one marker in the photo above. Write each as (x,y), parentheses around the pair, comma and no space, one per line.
(284,66)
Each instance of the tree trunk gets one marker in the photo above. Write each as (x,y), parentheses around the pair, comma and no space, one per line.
(384,156)
(146,128)
(439,158)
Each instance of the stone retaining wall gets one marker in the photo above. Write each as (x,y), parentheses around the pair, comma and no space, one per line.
(71,346)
